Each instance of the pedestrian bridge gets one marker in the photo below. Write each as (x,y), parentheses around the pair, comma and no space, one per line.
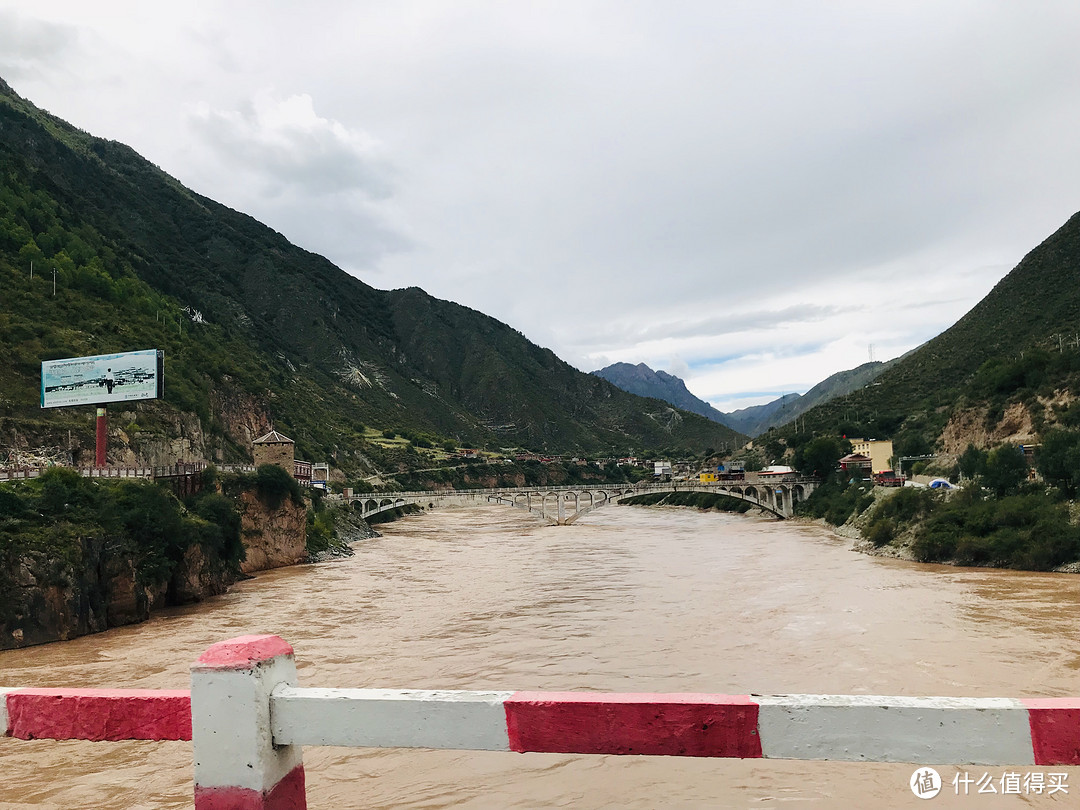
(562,506)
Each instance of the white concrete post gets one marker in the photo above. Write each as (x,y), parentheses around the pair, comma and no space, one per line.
(237,765)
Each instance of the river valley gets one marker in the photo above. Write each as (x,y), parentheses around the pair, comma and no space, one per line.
(628,599)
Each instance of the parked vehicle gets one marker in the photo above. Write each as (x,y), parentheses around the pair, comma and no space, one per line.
(888,478)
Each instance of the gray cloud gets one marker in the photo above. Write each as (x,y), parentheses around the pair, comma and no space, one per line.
(28,45)
(619,180)
(717,326)
(286,142)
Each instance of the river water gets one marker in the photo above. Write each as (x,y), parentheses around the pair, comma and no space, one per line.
(628,599)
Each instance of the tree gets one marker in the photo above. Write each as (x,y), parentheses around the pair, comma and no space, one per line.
(1058,459)
(752,461)
(30,252)
(972,462)
(774,447)
(1006,469)
(820,455)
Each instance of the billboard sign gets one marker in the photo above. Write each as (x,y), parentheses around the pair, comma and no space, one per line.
(102,379)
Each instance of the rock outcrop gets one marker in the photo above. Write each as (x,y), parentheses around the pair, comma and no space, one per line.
(273,537)
(52,599)
(94,586)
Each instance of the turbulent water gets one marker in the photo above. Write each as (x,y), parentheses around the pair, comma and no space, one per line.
(628,599)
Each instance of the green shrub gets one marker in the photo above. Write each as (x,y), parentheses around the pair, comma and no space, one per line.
(320,530)
(835,503)
(62,516)
(221,513)
(880,533)
(1030,531)
(907,504)
(273,484)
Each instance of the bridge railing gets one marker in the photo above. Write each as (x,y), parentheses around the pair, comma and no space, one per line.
(641,486)
(178,469)
(248,720)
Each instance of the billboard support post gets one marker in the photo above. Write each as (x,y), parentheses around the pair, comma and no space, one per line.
(102,437)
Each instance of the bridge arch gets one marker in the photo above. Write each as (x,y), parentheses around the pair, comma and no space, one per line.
(564,505)
(751,494)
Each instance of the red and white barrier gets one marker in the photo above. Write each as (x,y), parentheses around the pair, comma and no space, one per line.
(96,714)
(238,766)
(250,720)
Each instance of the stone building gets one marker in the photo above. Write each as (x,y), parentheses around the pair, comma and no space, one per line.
(273,448)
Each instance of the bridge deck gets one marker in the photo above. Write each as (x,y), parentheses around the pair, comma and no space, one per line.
(554,503)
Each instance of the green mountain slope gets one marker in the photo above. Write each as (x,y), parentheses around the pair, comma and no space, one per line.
(1017,345)
(256,330)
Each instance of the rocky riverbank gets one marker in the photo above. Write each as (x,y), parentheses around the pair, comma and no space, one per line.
(69,580)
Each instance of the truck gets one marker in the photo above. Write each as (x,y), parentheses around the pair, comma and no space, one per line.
(888,478)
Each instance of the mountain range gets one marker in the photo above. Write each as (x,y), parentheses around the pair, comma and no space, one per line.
(754,420)
(1007,371)
(258,332)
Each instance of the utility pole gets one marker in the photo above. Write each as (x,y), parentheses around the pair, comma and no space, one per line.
(54,282)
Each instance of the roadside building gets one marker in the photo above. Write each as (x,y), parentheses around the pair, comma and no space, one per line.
(776,471)
(879,451)
(302,472)
(732,471)
(856,465)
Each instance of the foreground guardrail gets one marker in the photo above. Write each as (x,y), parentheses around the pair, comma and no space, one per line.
(248,720)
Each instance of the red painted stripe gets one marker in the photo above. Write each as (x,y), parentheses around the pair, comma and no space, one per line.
(288,794)
(1055,730)
(99,714)
(675,724)
(244,652)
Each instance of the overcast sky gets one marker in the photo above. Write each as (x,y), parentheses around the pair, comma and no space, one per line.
(750,195)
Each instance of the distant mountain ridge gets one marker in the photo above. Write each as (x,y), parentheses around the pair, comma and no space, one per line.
(754,420)
(757,419)
(645,382)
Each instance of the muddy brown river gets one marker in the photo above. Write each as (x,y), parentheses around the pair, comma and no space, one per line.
(627,600)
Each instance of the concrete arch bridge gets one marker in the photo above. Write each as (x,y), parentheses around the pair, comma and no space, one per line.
(562,506)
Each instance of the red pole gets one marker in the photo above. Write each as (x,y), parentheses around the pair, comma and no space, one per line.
(102,436)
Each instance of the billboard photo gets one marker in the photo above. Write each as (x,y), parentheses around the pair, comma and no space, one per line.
(102,379)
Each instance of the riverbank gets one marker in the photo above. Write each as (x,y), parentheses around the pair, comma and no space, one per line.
(348,529)
(79,556)
(902,547)
(1033,528)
